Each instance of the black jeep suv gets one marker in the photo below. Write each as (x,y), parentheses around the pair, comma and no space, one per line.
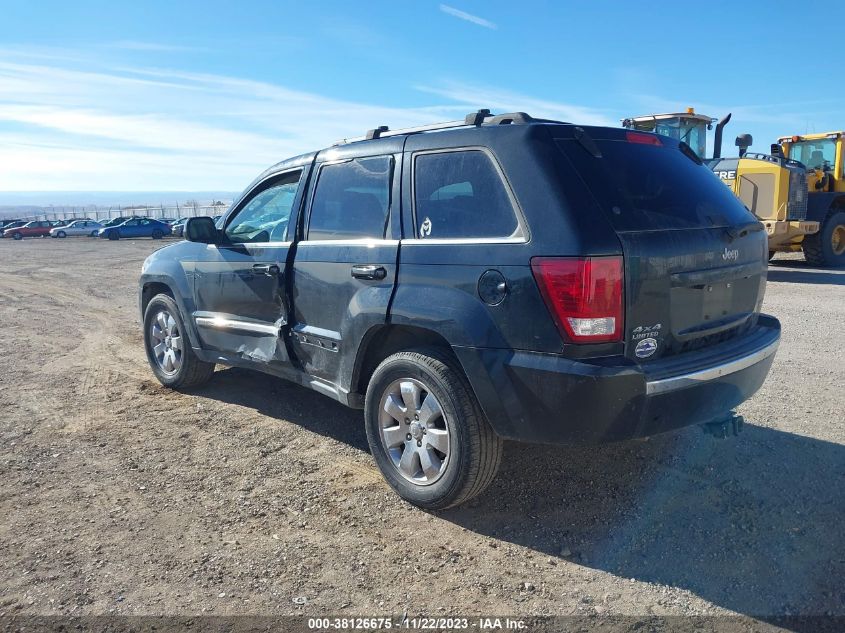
(499,277)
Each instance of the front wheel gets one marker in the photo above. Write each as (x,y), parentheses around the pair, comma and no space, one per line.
(168,348)
(93,233)
(17,236)
(827,247)
(61,234)
(427,432)
(157,235)
(113,235)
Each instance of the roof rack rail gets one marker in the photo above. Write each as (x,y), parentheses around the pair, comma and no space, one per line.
(477,118)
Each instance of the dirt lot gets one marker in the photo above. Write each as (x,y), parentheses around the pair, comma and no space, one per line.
(253,495)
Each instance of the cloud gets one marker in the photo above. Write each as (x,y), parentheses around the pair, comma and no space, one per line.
(81,126)
(497,100)
(469,17)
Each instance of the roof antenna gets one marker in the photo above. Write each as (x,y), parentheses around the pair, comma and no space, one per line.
(477,118)
(376,133)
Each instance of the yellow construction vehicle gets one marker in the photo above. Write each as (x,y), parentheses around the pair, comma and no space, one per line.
(823,155)
(772,186)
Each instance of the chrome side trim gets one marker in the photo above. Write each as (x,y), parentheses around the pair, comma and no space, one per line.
(463,240)
(711,373)
(221,323)
(369,242)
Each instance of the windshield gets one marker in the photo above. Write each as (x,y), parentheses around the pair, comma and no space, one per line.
(690,131)
(815,154)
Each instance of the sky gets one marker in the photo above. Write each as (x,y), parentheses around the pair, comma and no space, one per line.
(202,96)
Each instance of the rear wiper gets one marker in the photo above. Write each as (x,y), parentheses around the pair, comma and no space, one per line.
(586,142)
(742,230)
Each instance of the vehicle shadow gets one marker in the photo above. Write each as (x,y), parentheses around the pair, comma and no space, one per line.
(752,524)
(805,274)
(282,399)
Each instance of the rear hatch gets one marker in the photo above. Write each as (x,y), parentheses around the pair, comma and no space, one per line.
(695,258)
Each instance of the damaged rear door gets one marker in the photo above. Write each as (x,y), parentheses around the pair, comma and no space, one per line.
(239,286)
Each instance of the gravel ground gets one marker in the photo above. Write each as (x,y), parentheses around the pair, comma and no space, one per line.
(254,496)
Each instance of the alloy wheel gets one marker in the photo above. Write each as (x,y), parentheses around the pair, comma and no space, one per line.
(414,431)
(166,342)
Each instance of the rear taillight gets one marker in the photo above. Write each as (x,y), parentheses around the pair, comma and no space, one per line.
(584,296)
(644,139)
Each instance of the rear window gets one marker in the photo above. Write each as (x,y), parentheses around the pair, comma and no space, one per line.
(653,187)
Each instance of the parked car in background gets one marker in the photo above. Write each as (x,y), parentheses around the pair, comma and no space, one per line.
(77,227)
(120,220)
(37,228)
(178,227)
(8,222)
(169,221)
(136,227)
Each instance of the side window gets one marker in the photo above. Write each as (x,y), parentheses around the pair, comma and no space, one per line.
(132,223)
(461,195)
(352,200)
(266,216)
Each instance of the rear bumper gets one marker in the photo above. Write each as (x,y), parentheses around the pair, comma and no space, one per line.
(545,398)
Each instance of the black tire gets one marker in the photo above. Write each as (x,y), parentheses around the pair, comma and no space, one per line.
(17,236)
(157,234)
(113,235)
(771,255)
(93,234)
(192,371)
(819,249)
(61,234)
(475,450)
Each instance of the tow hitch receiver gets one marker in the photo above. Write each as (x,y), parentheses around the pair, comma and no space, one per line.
(731,425)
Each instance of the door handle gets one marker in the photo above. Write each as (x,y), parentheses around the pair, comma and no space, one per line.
(368,271)
(266,269)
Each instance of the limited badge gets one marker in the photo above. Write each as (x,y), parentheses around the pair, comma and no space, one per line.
(645,348)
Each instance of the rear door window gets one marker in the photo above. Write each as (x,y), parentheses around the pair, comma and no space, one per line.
(460,195)
(352,200)
(652,186)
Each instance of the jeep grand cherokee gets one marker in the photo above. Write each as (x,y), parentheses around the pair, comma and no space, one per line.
(498,277)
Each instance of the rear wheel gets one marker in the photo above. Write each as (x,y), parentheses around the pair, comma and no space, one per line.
(427,432)
(168,349)
(827,247)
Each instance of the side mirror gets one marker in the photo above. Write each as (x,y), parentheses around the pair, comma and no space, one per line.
(202,229)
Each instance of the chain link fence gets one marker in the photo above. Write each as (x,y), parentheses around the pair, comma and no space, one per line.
(101,213)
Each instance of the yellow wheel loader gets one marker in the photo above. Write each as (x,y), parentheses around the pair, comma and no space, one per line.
(823,155)
(772,186)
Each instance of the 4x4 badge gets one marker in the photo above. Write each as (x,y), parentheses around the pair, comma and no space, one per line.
(425,228)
